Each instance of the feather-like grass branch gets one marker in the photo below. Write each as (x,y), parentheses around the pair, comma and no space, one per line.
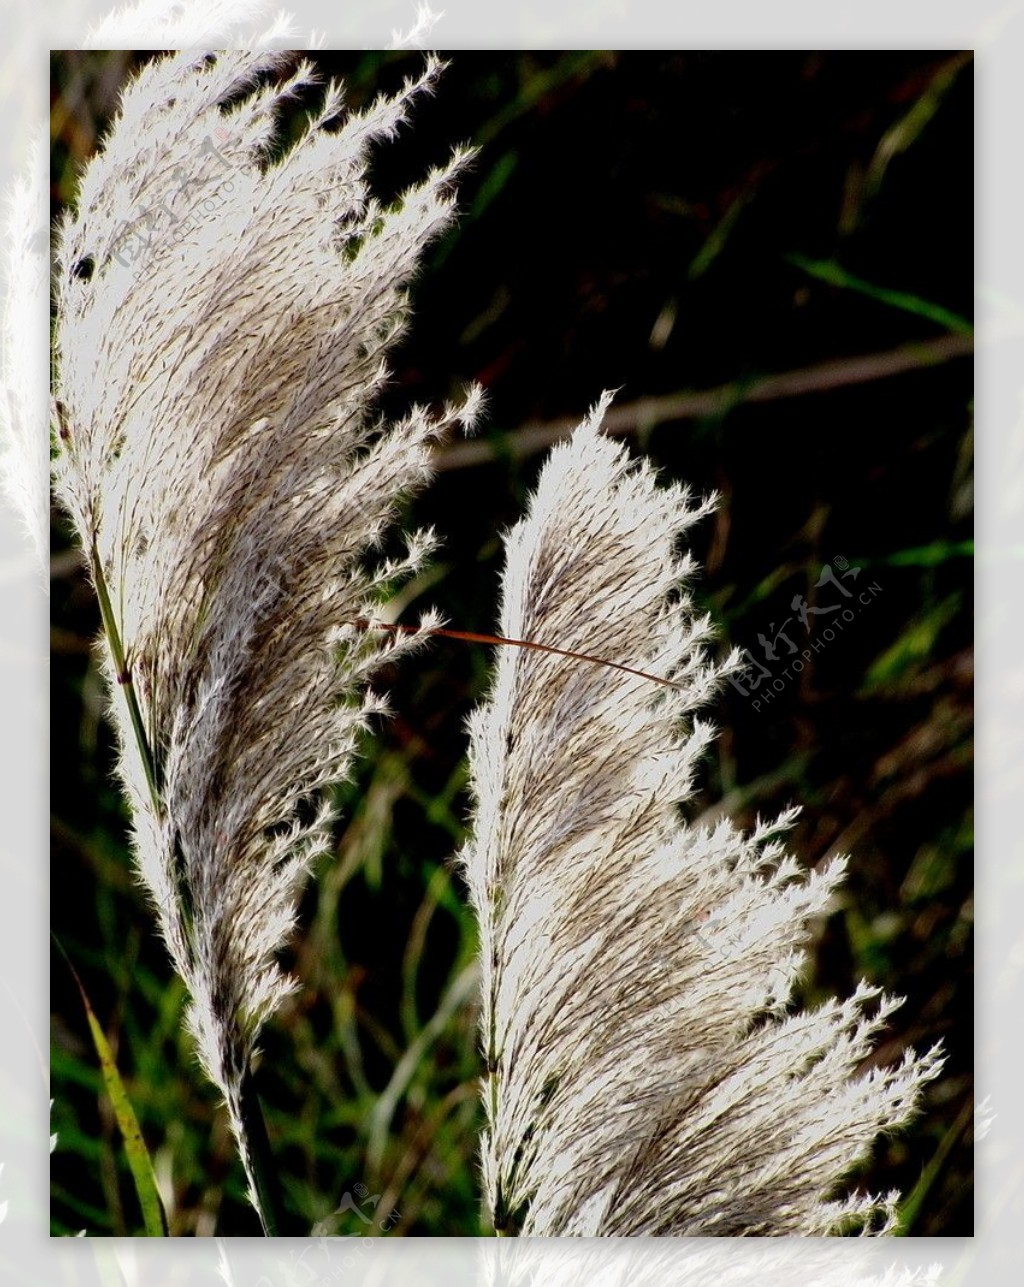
(223,315)
(643,1072)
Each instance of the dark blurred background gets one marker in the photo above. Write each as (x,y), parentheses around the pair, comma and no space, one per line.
(683,227)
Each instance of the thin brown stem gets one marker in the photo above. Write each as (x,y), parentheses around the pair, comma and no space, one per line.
(471,636)
(645,413)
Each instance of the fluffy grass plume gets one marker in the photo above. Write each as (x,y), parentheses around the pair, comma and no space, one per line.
(223,311)
(644,1072)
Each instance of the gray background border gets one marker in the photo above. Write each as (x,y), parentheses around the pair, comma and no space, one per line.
(996,31)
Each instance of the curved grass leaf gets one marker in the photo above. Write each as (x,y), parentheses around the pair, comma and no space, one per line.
(827,270)
(911,1206)
(141,1164)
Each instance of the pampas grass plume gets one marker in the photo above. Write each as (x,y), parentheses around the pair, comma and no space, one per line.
(645,1073)
(223,315)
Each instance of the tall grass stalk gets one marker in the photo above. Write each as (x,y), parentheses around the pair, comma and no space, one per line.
(645,1071)
(224,308)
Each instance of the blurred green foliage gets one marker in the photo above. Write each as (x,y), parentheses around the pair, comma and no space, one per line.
(654,222)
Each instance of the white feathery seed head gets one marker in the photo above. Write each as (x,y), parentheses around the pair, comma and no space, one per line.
(223,315)
(644,1073)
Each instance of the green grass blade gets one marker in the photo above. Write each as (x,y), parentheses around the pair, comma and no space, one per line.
(719,235)
(827,270)
(911,1206)
(913,647)
(141,1164)
(930,556)
(124,678)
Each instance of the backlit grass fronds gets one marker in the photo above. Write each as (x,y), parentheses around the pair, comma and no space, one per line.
(643,1072)
(223,316)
